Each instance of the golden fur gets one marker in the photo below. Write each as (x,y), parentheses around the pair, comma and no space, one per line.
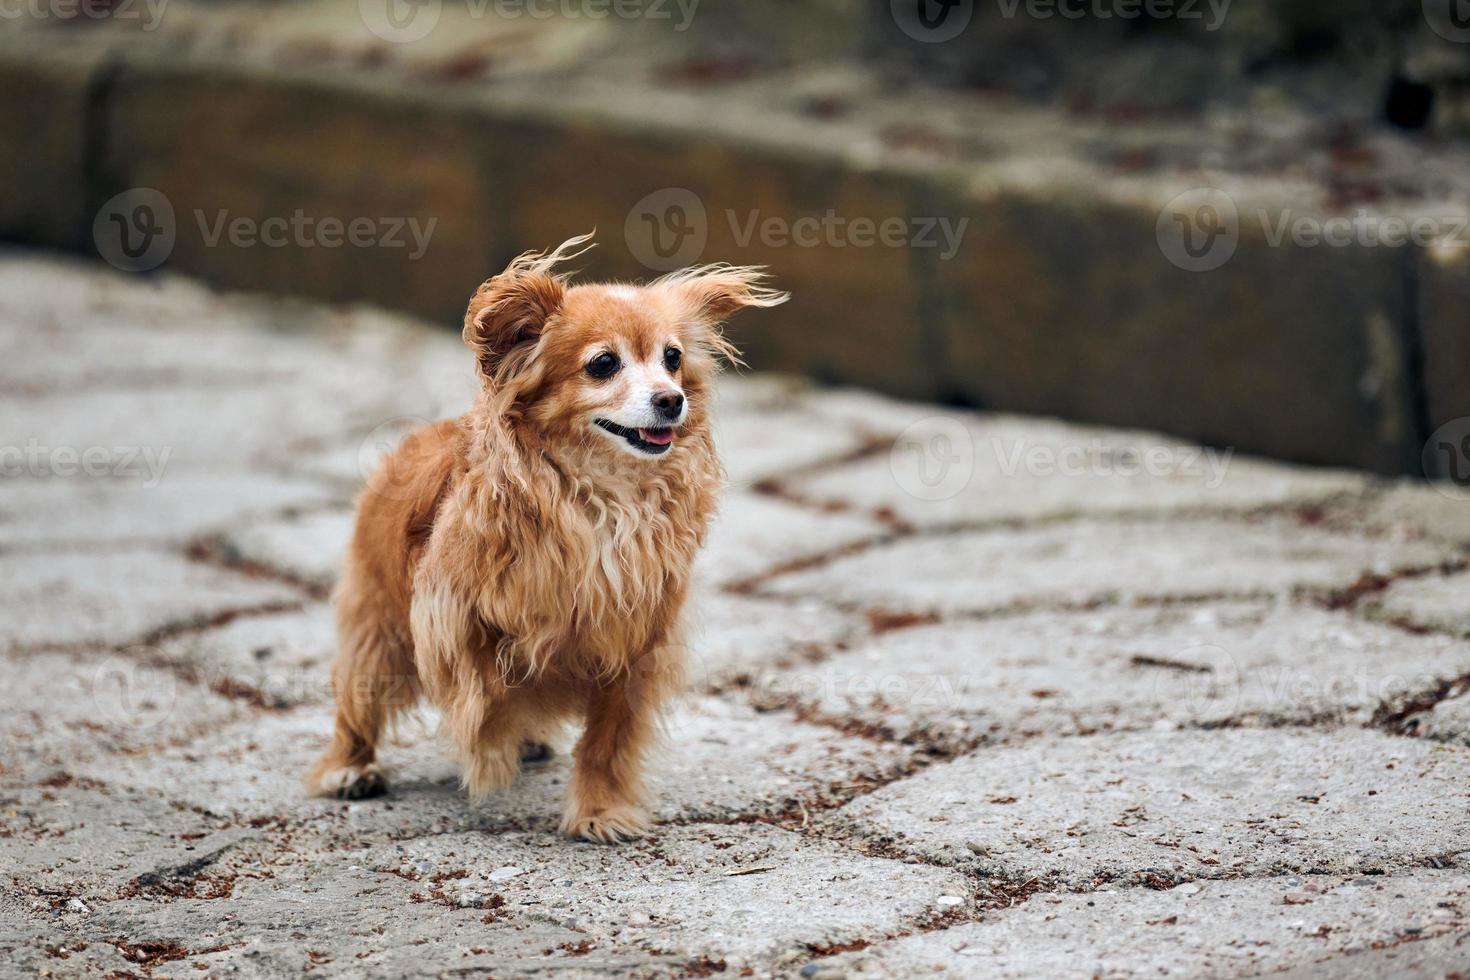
(518,566)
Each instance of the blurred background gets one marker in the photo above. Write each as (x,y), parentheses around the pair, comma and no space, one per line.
(1243,222)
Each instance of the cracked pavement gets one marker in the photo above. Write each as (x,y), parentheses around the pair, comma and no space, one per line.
(973,695)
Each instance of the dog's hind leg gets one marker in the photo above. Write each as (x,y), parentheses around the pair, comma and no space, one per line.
(373,680)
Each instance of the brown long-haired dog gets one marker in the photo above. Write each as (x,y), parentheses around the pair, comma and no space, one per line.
(527,563)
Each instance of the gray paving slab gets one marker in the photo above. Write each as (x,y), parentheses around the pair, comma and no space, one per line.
(954,683)
(1433,602)
(939,467)
(721,760)
(1312,925)
(1085,562)
(1180,806)
(113,598)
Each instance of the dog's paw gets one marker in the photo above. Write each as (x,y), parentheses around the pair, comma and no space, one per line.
(536,752)
(608,825)
(353,782)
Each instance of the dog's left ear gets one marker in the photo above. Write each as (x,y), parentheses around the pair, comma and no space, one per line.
(709,294)
(508,312)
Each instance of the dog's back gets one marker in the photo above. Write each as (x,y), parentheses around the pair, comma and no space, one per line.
(395,516)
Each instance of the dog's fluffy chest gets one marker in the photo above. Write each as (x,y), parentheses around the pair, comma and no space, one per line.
(595,575)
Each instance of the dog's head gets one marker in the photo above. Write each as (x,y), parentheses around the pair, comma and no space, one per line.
(609,368)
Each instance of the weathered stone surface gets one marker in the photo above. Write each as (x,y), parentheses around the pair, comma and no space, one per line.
(1408,959)
(74,837)
(254,426)
(1088,562)
(1300,350)
(255,770)
(248,147)
(1181,806)
(117,597)
(767,427)
(752,535)
(1449,720)
(61,709)
(941,468)
(1215,928)
(276,660)
(1421,508)
(736,636)
(1430,603)
(142,787)
(308,547)
(1049,673)
(126,505)
(694,891)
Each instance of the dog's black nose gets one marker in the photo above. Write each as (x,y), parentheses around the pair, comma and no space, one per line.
(668,403)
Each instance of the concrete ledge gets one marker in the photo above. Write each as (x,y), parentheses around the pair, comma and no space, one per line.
(1057,297)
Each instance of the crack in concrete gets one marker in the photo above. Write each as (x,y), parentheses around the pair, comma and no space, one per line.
(1405,716)
(215,550)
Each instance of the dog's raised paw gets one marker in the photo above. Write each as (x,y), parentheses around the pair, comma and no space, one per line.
(354,782)
(610,825)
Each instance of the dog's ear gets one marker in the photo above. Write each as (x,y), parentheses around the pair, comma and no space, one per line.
(508,312)
(712,292)
(709,294)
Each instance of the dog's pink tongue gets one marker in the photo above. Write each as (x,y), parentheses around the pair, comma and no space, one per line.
(658,437)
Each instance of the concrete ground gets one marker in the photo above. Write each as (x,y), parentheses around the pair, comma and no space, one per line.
(974,695)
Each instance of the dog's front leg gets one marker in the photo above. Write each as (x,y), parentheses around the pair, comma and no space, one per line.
(455,658)
(607,778)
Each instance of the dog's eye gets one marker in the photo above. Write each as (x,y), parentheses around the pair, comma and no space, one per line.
(604,365)
(672,358)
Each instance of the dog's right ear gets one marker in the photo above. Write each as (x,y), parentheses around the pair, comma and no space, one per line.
(508,312)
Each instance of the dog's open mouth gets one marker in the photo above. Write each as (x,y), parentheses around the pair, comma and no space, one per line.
(651,441)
